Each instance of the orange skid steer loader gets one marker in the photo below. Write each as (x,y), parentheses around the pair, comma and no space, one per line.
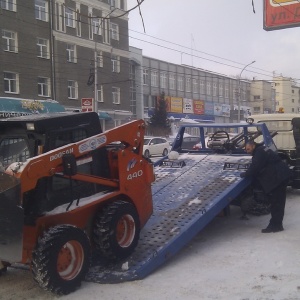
(66,189)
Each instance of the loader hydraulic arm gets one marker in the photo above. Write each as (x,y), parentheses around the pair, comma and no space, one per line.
(47,164)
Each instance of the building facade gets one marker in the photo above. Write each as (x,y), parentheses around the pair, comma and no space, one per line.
(190,92)
(68,51)
(262,98)
(287,94)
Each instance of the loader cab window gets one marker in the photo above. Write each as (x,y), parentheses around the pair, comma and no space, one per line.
(13,150)
(62,138)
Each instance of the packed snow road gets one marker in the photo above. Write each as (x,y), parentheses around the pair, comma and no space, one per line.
(229,259)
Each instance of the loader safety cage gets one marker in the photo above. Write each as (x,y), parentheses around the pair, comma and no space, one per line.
(187,197)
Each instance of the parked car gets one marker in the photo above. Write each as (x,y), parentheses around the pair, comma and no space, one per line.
(189,142)
(155,146)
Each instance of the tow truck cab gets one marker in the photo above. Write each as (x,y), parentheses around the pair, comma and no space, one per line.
(286,130)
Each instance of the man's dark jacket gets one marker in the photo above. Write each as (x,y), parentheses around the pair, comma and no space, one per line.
(268,169)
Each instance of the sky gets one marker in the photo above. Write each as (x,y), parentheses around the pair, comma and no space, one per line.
(216,35)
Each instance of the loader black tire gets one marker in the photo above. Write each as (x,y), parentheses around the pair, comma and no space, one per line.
(147,153)
(117,230)
(61,259)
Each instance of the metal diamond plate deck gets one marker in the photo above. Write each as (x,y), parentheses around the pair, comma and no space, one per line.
(185,200)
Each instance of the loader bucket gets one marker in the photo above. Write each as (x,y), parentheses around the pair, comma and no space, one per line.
(11,219)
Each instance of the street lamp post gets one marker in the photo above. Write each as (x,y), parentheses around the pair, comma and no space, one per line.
(239,100)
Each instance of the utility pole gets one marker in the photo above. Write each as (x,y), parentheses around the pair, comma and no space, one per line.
(239,99)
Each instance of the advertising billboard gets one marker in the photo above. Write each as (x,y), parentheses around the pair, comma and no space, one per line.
(188,106)
(199,107)
(280,14)
(176,104)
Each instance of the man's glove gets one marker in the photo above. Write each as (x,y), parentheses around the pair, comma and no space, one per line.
(243,174)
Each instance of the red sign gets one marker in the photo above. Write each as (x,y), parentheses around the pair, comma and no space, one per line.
(280,14)
(87,104)
(199,107)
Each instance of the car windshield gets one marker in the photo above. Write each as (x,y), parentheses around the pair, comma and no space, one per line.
(13,150)
(146,141)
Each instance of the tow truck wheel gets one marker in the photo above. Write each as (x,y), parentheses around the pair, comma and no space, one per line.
(117,230)
(61,259)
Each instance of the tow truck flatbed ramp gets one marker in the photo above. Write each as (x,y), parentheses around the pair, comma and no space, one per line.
(185,200)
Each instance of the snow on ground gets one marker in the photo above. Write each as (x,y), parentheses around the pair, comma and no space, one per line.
(230,259)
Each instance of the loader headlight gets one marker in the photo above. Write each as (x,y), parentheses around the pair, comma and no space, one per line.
(30,126)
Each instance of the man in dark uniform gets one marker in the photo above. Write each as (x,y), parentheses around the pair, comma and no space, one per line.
(273,175)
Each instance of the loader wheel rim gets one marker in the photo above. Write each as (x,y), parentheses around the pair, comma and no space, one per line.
(70,260)
(125,231)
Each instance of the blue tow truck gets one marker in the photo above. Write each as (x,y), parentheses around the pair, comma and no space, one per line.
(193,185)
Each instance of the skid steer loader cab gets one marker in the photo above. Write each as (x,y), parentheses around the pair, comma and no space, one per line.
(28,136)
(22,138)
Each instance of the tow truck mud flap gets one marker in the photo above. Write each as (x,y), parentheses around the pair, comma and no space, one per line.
(185,201)
(11,219)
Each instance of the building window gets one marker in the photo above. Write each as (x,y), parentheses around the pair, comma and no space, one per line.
(71,53)
(293,110)
(132,71)
(114,29)
(195,85)
(202,85)
(208,88)
(256,109)
(78,21)
(43,86)
(116,95)
(188,84)
(226,91)
(293,100)
(257,97)
(220,90)
(163,80)
(145,76)
(154,78)
(180,83)
(105,31)
(42,48)
(69,17)
(153,101)
(99,59)
(8,4)
(41,10)
(72,89)
(60,17)
(146,101)
(11,83)
(100,94)
(172,81)
(96,24)
(214,89)
(10,42)
(115,63)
